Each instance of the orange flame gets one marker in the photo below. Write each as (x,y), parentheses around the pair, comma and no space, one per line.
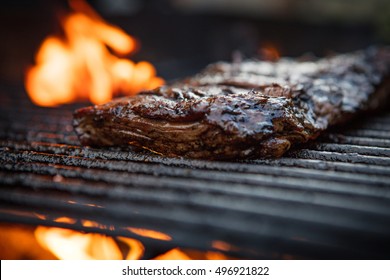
(174,254)
(181,254)
(81,66)
(150,233)
(68,244)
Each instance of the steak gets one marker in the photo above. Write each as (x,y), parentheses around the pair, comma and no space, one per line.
(241,110)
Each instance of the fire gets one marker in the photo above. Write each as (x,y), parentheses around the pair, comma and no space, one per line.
(150,233)
(174,254)
(180,254)
(82,65)
(69,244)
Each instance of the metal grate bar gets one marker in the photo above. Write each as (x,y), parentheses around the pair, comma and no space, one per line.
(341,157)
(263,224)
(345,148)
(249,166)
(361,141)
(328,198)
(253,185)
(271,171)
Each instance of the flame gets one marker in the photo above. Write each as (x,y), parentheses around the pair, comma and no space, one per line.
(81,66)
(174,254)
(69,244)
(150,233)
(211,255)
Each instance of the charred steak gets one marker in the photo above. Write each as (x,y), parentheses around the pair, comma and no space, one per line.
(241,110)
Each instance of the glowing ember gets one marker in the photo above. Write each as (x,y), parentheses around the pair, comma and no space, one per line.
(220,245)
(269,52)
(81,66)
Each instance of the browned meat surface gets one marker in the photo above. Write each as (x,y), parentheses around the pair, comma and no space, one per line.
(250,109)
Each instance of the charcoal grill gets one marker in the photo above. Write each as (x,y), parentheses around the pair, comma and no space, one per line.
(328,199)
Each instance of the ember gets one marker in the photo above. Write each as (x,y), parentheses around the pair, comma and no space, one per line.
(269,52)
(81,66)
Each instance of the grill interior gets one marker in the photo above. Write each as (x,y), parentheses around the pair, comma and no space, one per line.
(328,199)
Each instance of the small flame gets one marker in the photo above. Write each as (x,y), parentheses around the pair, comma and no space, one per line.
(150,233)
(174,254)
(180,254)
(81,66)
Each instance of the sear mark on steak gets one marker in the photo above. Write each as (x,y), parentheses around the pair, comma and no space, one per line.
(253,109)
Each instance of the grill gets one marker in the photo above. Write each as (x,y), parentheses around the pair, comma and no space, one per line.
(328,199)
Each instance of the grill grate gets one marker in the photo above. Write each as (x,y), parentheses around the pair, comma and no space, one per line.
(329,199)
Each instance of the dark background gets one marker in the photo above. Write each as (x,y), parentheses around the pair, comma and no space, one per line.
(182,36)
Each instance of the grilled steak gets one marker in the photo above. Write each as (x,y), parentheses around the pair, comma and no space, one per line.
(241,110)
